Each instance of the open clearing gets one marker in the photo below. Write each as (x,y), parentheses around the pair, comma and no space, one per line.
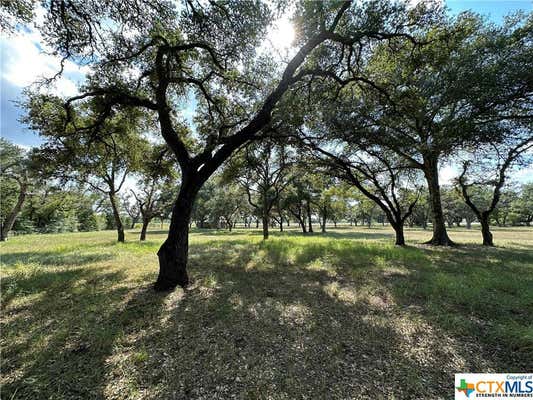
(341,315)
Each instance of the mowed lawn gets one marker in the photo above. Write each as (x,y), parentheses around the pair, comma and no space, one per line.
(345,315)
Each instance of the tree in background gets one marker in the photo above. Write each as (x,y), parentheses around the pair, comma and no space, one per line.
(225,205)
(130,205)
(16,169)
(426,103)
(154,190)
(101,158)
(454,207)
(380,175)
(522,207)
(488,167)
(263,172)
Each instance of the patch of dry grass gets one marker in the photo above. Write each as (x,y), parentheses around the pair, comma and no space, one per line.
(342,315)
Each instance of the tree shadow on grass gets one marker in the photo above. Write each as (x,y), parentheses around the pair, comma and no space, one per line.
(279,319)
(58,343)
(477,294)
(252,328)
(358,235)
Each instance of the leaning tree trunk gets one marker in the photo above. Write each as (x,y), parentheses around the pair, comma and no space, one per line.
(174,250)
(309,219)
(116,216)
(440,235)
(12,216)
(146,222)
(485,231)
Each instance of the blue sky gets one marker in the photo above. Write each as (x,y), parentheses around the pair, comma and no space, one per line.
(22,62)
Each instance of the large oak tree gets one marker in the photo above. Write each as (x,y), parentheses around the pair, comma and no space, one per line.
(152,56)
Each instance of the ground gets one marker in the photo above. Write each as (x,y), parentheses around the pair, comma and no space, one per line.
(345,315)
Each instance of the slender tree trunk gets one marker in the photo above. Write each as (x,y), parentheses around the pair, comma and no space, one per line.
(133,222)
(174,251)
(116,216)
(485,231)
(256,223)
(309,220)
(264,216)
(265,225)
(12,216)
(144,228)
(302,224)
(468,223)
(440,235)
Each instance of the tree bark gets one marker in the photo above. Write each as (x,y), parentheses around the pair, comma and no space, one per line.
(400,239)
(12,216)
(302,225)
(485,231)
(116,216)
(174,250)
(265,226)
(144,228)
(440,235)
(309,220)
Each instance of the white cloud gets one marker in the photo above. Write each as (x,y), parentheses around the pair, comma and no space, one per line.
(24,63)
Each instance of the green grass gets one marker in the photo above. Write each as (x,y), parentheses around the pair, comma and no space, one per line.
(341,315)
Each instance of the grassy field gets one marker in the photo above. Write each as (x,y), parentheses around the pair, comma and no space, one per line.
(344,315)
